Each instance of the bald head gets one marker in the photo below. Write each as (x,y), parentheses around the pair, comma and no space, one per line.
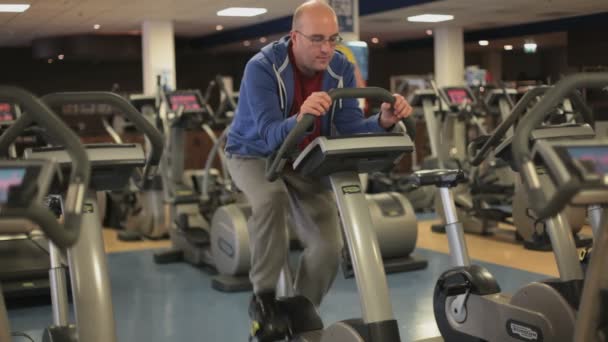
(314,35)
(312,9)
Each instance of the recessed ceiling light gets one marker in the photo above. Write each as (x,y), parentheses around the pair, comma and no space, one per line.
(263,40)
(241,12)
(358,43)
(14,8)
(246,43)
(508,47)
(430,18)
(375,40)
(96,26)
(429,32)
(484,43)
(530,47)
(219,27)
(60,57)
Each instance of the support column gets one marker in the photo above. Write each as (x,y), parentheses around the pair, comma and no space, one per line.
(449,56)
(449,71)
(158,55)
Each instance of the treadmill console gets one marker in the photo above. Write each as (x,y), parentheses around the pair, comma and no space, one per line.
(457,96)
(22,182)
(190,100)
(143,103)
(112,165)
(418,96)
(363,153)
(7,114)
(578,168)
(193,112)
(590,161)
(11,180)
(495,95)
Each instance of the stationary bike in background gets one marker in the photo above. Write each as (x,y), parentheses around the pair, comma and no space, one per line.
(468,302)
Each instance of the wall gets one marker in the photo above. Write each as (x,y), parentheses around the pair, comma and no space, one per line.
(18,68)
(588,45)
(548,64)
(384,63)
(194,70)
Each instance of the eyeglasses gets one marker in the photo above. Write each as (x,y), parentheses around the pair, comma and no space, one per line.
(318,40)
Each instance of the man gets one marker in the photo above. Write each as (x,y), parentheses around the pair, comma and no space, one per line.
(285,80)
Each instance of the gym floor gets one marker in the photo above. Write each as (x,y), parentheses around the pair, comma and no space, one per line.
(176,302)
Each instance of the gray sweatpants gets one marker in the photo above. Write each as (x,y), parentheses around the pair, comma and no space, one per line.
(315,219)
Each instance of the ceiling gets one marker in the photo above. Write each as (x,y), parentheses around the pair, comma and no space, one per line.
(197,18)
(476,15)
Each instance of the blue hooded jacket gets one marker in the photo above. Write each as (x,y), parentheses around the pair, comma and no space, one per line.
(262,121)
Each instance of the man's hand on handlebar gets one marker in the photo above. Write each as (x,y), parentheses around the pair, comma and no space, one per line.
(317,104)
(391,114)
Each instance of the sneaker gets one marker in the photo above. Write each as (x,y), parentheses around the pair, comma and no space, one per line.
(267,322)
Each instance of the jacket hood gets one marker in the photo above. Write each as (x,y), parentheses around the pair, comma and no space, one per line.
(277,52)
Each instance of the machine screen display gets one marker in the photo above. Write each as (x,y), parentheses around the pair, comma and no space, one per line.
(144,104)
(458,96)
(10,177)
(594,158)
(6,112)
(190,102)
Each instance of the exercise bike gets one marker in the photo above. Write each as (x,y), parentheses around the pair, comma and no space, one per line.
(342,159)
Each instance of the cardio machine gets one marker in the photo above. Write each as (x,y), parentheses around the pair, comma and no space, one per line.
(112,167)
(83,246)
(474,203)
(342,159)
(500,100)
(198,198)
(150,214)
(528,228)
(23,188)
(25,257)
(467,302)
(448,140)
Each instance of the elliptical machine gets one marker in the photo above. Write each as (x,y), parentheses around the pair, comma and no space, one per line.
(528,228)
(342,159)
(207,215)
(27,184)
(112,167)
(467,301)
(492,183)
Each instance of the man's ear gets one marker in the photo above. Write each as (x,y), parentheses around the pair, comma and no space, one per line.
(293,35)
